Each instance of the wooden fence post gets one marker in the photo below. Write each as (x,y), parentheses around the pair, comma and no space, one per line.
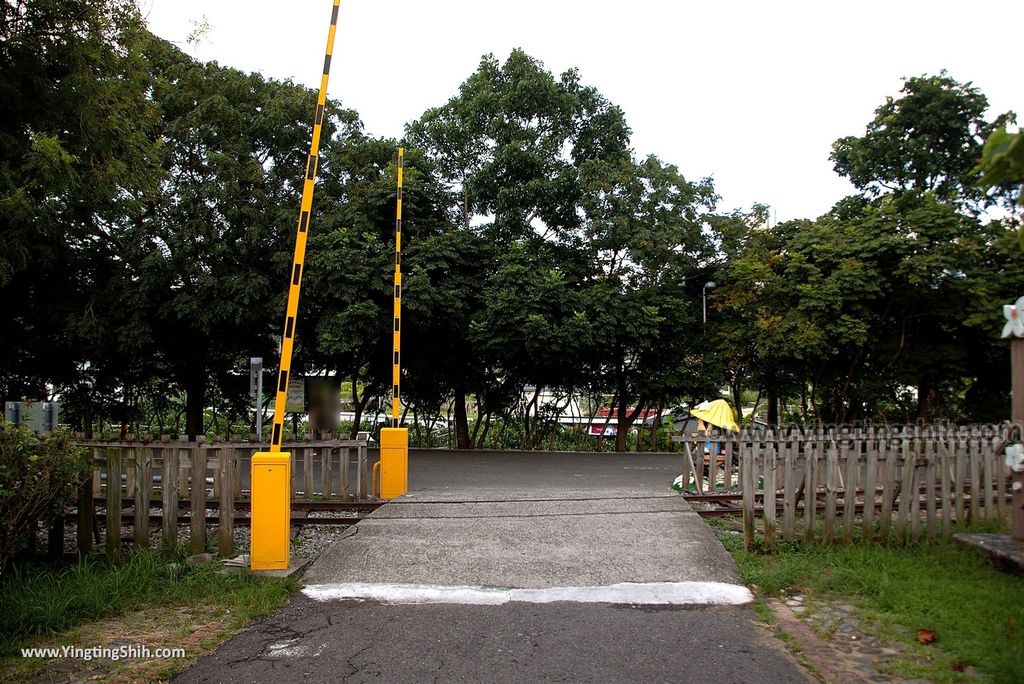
(915,490)
(226,520)
(307,473)
(789,489)
(345,477)
(768,499)
(975,475)
(183,466)
(325,471)
(831,485)
(747,466)
(169,496)
(870,475)
(684,475)
(143,487)
(113,541)
(944,464)
(362,481)
(810,487)
(906,483)
(931,454)
(197,525)
(727,475)
(959,478)
(1000,483)
(852,458)
(86,511)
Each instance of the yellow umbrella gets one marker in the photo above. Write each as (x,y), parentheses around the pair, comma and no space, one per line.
(717,412)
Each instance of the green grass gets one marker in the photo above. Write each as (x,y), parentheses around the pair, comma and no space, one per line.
(976,610)
(39,601)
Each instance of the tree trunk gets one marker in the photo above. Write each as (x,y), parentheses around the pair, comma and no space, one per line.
(195,403)
(773,406)
(737,397)
(483,436)
(528,421)
(357,408)
(624,420)
(461,421)
(924,388)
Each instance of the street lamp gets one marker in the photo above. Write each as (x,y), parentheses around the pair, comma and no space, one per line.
(710,285)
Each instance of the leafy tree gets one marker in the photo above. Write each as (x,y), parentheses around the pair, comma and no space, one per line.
(511,144)
(928,139)
(345,328)
(77,158)
(531,330)
(644,235)
(206,268)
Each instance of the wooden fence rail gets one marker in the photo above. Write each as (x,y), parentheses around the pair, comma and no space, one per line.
(906,482)
(201,473)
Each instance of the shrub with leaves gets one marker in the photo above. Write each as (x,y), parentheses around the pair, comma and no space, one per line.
(38,476)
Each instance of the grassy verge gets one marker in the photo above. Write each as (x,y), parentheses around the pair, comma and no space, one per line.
(152,596)
(976,610)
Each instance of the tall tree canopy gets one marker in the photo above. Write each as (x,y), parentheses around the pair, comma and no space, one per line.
(928,139)
(78,157)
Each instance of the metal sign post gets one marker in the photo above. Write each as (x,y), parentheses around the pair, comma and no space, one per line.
(256,390)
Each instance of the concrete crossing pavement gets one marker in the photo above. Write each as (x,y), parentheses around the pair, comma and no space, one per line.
(518,568)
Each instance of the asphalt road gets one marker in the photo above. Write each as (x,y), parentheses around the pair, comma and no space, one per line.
(517,642)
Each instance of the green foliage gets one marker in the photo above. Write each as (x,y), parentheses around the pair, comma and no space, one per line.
(844,311)
(574,259)
(928,139)
(975,610)
(1002,161)
(894,293)
(39,601)
(78,153)
(38,476)
(1002,166)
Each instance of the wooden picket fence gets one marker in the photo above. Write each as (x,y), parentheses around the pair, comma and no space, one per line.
(170,475)
(839,484)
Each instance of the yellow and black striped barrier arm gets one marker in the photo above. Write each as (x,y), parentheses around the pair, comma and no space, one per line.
(396,370)
(295,284)
(394,441)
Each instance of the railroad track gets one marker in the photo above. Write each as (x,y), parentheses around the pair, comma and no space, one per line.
(299,515)
(724,510)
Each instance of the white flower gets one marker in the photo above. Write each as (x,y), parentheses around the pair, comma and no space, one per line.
(1015,457)
(1014,319)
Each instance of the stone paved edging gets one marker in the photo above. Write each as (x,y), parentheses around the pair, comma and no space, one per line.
(848,651)
(822,655)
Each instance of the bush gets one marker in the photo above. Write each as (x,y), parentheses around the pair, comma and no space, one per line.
(38,476)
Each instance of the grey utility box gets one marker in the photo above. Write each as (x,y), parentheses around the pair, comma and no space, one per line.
(37,416)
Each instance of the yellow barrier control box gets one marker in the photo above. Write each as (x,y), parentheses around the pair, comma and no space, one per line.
(394,462)
(271,509)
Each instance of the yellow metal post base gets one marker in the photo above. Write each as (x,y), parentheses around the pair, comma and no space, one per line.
(394,462)
(271,509)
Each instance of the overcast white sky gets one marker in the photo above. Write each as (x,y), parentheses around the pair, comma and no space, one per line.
(751,93)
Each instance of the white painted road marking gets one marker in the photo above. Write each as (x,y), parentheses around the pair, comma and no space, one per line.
(633,593)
